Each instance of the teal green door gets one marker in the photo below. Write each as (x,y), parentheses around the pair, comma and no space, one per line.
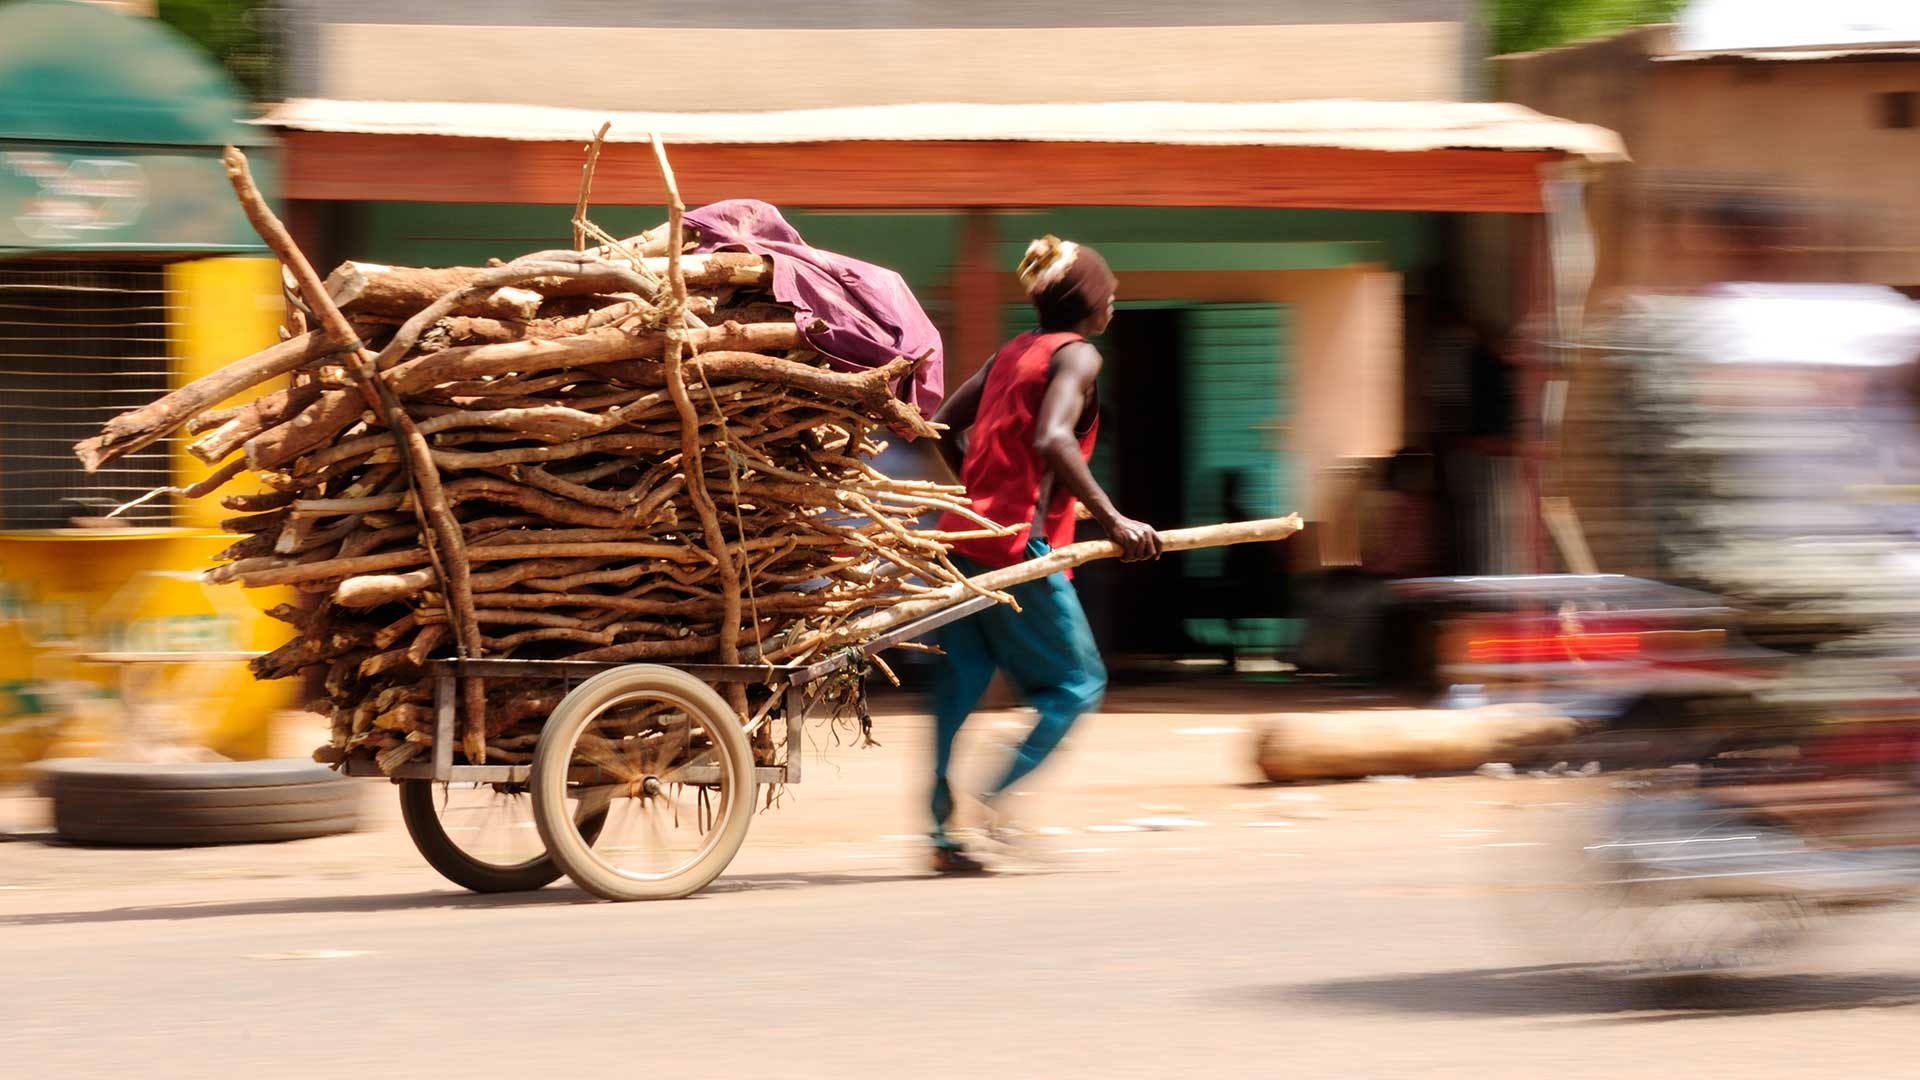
(1235,405)
(1235,363)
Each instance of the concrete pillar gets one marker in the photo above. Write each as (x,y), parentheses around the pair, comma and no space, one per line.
(976,290)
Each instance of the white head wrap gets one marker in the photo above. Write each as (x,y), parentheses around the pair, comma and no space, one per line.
(1046,263)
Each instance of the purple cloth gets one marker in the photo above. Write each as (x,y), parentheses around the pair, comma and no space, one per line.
(858,315)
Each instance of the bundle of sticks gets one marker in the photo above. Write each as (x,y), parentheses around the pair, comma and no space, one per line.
(622,452)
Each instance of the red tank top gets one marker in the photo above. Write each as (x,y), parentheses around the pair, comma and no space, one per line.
(1001,470)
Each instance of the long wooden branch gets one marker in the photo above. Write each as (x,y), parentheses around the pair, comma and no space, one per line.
(691,449)
(257,574)
(270,410)
(871,389)
(401,291)
(337,410)
(528,604)
(142,427)
(672,648)
(549,422)
(492,489)
(1206,536)
(368,589)
(445,545)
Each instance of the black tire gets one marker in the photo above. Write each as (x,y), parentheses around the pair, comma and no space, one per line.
(265,832)
(455,863)
(284,795)
(185,775)
(111,812)
(189,804)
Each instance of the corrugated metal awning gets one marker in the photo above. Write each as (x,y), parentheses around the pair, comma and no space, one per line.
(1796,55)
(1409,127)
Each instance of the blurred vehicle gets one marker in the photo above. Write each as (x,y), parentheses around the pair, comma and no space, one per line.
(1718,845)
(1758,719)
(127,271)
(1604,648)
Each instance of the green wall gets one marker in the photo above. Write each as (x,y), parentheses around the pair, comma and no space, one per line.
(1407,239)
(918,246)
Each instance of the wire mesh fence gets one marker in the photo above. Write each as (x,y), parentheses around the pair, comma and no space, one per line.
(80,342)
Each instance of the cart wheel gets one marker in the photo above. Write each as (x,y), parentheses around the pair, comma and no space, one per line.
(663,758)
(480,836)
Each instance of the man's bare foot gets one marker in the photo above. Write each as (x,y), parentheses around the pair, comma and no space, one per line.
(947,860)
(1000,828)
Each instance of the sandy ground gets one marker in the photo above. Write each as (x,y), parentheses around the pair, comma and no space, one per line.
(1177,918)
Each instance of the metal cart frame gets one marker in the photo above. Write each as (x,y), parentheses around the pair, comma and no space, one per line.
(788,679)
(564,849)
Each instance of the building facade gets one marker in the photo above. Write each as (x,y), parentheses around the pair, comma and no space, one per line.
(1825,136)
(826,53)
(1275,185)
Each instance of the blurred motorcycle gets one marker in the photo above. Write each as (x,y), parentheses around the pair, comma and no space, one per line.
(1759,444)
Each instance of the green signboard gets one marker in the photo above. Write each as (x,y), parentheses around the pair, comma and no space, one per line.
(111,126)
(103,198)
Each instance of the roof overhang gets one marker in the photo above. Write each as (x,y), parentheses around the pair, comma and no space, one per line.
(1797,55)
(1336,154)
(1663,43)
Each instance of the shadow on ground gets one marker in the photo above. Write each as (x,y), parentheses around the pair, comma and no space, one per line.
(1596,995)
(557,896)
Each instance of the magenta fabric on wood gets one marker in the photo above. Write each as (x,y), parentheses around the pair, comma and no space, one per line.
(858,315)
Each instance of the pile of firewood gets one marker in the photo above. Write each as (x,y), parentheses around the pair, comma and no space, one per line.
(618,453)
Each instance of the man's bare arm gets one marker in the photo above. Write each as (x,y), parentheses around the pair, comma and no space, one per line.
(957,413)
(1071,380)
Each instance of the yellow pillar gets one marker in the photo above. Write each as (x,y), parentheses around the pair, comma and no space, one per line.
(226,309)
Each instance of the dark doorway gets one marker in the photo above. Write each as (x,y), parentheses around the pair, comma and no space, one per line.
(1192,432)
(1134,608)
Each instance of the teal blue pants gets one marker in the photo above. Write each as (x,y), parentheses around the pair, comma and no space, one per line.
(1046,648)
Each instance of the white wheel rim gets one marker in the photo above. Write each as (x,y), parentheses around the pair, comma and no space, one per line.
(647,800)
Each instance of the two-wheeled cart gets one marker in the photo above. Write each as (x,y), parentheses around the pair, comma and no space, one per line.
(643,781)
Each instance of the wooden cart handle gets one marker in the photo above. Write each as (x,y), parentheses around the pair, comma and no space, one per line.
(1260,530)
(1257,531)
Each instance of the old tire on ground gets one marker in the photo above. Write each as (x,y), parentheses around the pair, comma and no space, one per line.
(639,779)
(468,866)
(188,804)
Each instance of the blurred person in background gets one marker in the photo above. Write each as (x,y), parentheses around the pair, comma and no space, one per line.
(1399,524)
(1482,457)
(1397,519)
(1353,623)
(1030,417)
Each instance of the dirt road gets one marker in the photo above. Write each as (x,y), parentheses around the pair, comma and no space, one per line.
(1178,921)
